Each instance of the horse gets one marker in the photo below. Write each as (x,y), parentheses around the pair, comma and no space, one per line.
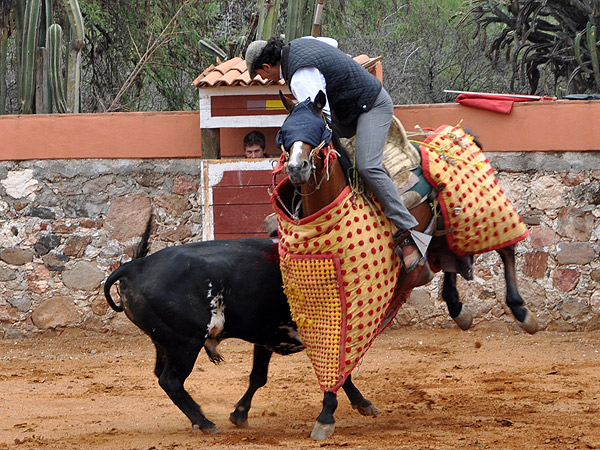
(317,174)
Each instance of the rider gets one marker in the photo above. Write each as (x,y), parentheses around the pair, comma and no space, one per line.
(358,105)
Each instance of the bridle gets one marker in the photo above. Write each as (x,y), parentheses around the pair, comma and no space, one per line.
(324,150)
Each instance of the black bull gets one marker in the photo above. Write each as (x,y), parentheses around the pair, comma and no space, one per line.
(195,295)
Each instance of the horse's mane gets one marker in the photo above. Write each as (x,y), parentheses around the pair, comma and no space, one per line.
(344,159)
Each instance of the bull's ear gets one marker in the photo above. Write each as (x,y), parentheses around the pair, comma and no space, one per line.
(287,103)
(320,100)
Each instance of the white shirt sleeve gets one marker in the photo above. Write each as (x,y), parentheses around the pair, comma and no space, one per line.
(306,83)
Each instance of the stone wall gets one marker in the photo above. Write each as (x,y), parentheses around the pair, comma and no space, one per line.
(65,224)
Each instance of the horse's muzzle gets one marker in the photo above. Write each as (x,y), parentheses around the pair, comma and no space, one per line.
(299,173)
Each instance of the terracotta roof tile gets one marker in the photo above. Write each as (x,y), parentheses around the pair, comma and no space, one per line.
(233,72)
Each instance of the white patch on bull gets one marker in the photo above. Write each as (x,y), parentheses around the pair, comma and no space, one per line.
(293,334)
(217,312)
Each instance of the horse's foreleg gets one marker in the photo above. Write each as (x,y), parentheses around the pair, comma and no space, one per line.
(258,378)
(525,318)
(358,402)
(458,311)
(325,424)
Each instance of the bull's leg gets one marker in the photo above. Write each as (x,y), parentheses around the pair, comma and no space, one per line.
(325,424)
(525,318)
(258,378)
(180,361)
(358,402)
(458,311)
(161,360)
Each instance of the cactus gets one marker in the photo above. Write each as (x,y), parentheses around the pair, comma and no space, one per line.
(74,64)
(268,13)
(3,53)
(29,39)
(299,18)
(210,47)
(69,101)
(54,45)
(592,46)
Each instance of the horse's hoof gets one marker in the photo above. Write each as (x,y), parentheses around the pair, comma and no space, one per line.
(322,431)
(464,319)
(367,410)
(239,420)
(530,323)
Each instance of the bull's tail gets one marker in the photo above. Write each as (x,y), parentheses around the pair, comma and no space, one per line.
(140,251)
(112,279)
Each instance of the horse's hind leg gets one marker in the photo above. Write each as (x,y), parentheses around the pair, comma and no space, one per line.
(358,402)
(525,318)
(458,311)
(258,378)
(325,424)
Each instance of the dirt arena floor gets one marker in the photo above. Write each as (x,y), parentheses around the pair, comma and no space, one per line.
(436,389)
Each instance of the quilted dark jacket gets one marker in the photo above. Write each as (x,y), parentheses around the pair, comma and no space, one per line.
(351,89)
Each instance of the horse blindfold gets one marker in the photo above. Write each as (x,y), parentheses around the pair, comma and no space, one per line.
(303,125)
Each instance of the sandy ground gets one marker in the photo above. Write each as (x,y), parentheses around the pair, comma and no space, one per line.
(436,389)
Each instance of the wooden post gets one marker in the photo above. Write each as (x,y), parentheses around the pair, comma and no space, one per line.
(211,143)
(316,28)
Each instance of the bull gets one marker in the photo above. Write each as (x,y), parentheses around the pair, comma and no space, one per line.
(193,296)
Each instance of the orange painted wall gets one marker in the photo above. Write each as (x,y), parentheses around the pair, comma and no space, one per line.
(108,135)
(532,126)
(536,126)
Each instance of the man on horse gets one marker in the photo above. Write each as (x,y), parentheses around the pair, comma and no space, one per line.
(358,105)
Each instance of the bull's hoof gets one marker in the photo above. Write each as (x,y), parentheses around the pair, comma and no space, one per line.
(322,431)
(530,323)
(207,428)
(368,409)
(239,419)
(464,319)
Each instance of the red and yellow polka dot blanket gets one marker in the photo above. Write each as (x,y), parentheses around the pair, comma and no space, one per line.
(475,209)
(339,272)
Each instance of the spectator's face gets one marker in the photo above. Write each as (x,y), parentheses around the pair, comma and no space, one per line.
(254,151)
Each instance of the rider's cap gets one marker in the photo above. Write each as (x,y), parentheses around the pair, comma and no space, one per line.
(252,53)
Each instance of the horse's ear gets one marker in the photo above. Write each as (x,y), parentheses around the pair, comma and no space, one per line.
(320,100)
(287,103)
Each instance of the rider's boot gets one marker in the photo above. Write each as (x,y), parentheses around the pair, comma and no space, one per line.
(407,250)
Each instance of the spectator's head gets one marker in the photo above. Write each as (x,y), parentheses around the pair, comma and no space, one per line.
(254,145)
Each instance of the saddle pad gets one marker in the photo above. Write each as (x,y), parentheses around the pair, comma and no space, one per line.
(475,209)
(339,272)
(399,156)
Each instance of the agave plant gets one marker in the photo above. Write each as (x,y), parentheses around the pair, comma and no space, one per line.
(557,37)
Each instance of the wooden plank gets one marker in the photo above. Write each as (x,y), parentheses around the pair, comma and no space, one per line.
(236,195)
(246,178)
(211,147)
(240,218)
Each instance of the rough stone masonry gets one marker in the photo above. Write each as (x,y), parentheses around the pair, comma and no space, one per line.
(65,224)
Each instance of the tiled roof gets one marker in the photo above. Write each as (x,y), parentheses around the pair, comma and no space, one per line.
(234,73)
